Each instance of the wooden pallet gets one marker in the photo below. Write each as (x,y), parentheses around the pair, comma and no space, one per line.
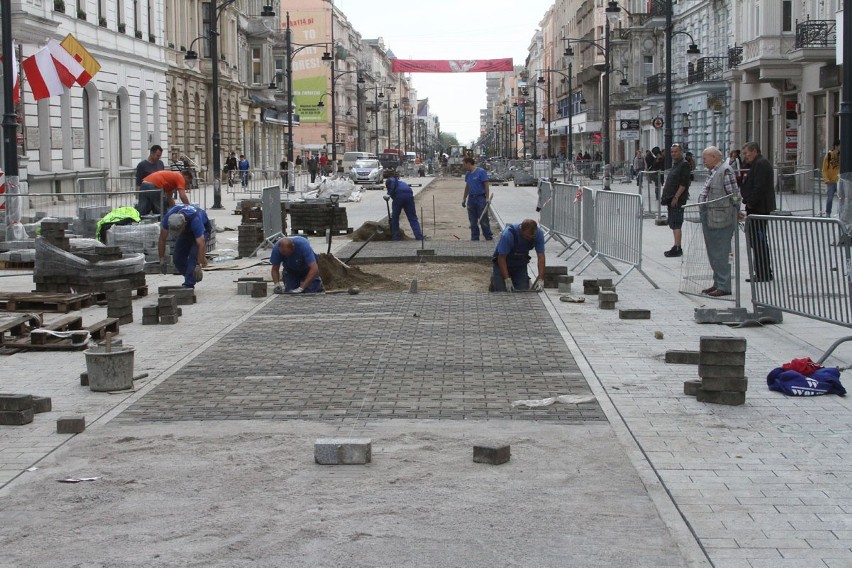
(41,340)
(44,302)
(18,326)
(100,329)
(17,264)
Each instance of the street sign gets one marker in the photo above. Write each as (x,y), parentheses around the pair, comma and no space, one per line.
(658,122)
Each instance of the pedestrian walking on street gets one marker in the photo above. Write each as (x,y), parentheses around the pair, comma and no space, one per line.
(313,166)
(638,167)
(244,166)
(654,163)
(675,196)
(476,196)
(831,175)
(323,164)
(511,258)
(284,171)
(718,211)
(191,229)
(403,200)
(301,271)
(758,194)
(149,165)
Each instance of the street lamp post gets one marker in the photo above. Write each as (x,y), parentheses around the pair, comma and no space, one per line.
(846,104)
(569,54)
(10,123)
(668,133)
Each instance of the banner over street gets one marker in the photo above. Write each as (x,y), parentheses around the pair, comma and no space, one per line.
(450,65)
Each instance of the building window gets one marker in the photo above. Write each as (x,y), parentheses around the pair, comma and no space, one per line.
(206,23)
(748,113)
(256,66)
(647,66)
(787,15)
(819,132)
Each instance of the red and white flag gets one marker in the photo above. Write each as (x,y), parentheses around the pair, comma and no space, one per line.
(41,74)
(579,195)
(16,89)
(69,69)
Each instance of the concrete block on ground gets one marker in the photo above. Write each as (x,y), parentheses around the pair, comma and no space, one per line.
(244,288)
(167,301)
(607,288)
(150,311)
(150,320)
(691,387)
(607,296)
(70,424)
(555,270)
(16,417)
(123,320)
(606,305)
(14,402)
(722,344)
(258,289)
(605,282)
(716,358)
(682,357)
(250,279)
(634,314)
(721,371)
(718,384)
(343,451)
(565,279)
(84,379)
(564,288)
(591,290)
(169,320)
(721,397)
(42,404)
(492,454)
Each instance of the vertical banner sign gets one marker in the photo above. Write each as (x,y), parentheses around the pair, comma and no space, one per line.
(791,131)
(310,73)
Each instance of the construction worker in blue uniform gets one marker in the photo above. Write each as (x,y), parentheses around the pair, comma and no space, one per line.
(403,200)
(512,257)
(301,271)
(477,194)
(192,229)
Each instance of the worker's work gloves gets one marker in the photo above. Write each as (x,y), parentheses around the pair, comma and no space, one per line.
(510,287)
(279,288)
(198,273)
(386,197)
(538,285)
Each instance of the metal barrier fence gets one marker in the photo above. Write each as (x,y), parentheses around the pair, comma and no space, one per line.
(251,185)
(69,205)
(800,265)
(801,192)
(697,272)
(607,224)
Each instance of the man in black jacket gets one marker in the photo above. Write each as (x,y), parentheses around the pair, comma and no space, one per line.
(758,193)
(675,195)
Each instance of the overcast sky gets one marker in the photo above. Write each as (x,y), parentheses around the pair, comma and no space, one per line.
(450,29)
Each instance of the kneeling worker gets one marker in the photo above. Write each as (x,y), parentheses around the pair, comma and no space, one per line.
(301,271)
(512,256)
(192,228)
(403,200)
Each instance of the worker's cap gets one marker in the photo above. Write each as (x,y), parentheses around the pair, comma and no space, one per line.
(177,222)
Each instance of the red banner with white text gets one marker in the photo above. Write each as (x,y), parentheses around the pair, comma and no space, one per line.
(450,65)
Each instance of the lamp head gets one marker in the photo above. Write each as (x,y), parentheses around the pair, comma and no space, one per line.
(693,51)
(320,104)
(540,79)
(612,12)
(191,59)
(361,79)
(326,56)
(267,12)
(624,82)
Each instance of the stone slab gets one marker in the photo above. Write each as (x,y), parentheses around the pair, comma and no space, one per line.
(13,402)
(721,371)
(606,305)
(343,451)
(491,454)
(722,344)
(718,384)
(716,358)
(682,357)
(691,387)
(16,417)
(42,404)
(634,314)
(169,319)
(70,424)
(721,397)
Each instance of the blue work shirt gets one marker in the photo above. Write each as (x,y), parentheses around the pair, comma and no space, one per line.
(398,188)
(197,222)
(298,262)
(476,181)
(515,248)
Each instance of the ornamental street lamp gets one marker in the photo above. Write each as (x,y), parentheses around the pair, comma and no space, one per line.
(668,136)
(10,122)
(213,41)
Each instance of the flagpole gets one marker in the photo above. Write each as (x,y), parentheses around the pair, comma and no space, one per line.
(10,124)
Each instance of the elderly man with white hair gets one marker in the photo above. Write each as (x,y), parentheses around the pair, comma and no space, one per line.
(718,208)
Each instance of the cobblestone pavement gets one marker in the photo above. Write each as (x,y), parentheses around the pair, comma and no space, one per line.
(453,356)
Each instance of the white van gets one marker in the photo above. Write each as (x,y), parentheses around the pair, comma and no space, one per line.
(411,157)
(349,159)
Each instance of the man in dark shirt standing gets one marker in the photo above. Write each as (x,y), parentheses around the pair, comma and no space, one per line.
(149,165)
(675,194)
(758,193)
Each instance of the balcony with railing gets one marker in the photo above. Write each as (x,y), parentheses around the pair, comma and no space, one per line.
(706,69)
(648,13)
(631,96)
(815,41)
(735,56)
(656,84)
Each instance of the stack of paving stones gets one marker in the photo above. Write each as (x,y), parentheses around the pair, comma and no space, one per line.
(48,278)
(119,300)
(607,299)
(253,286)
(185,296)
(151,315)
(86,223)
(552,275)
(591,287)
(167,309)
(721,366)
(564,283)
(19,409)
(315,218)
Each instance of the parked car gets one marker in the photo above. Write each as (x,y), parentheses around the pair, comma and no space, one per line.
(367,171)
(349,159)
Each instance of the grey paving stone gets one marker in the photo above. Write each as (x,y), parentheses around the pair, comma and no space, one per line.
(70,424)
(343,451)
